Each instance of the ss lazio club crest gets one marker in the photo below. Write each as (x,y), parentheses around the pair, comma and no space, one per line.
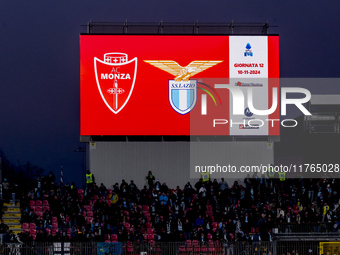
(115,77)
(182,91)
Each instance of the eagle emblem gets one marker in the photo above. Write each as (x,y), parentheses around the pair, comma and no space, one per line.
(182,90)
(183,73)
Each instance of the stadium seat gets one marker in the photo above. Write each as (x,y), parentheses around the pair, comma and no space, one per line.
(197,249)
(107,237)
(33,231)
(209,236)
(55,225)
(182,249)
(32,207)
(88,208)
(25,226)
(148,225)
(209,207)
(195,243)
(114,237)
(145,208)
(204,249)
(211,249)
(32,226)
(45,208)
(80,191)
(89,214)
(38,208)
(127,225)
(214,224)
(32,203)
(39,213)
(54,219)
(89,219)
(45,202)
(108,201)
(149,231)
(145,236)
(48,231)
(38,202)
(188,243)
(151,237)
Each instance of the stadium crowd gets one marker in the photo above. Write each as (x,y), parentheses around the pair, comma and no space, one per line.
(206,211)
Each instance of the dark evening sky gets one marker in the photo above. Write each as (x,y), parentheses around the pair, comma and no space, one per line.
(39,60)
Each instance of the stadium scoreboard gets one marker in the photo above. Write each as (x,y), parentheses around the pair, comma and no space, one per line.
(166,85)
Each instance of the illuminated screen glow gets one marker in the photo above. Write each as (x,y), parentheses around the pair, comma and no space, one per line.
(165,85)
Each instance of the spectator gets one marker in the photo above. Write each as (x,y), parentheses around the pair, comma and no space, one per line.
(89,179)
(132,187)
(157,186)
(187,228)
(199,221)
(3,227)
(6,190)
(51,178)
(15,190)
(163,199)
(150,179)
(223,185)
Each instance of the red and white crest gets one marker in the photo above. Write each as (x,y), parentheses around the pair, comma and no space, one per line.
(115,78)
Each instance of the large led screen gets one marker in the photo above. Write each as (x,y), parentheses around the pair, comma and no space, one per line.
(177,85)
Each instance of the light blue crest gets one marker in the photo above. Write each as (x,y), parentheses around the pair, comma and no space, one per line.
(182,95)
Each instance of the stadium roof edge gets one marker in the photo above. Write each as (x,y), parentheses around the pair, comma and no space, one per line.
(178,28)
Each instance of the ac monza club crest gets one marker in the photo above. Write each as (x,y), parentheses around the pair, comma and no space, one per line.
(115,76)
